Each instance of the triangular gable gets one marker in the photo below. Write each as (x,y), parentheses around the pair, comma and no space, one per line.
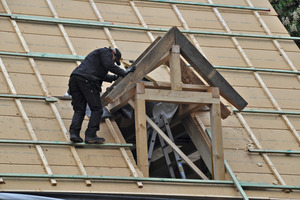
(152,56)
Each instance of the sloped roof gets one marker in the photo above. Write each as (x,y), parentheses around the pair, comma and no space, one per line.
(35,119)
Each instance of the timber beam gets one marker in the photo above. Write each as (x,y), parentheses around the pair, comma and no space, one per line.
(144,91)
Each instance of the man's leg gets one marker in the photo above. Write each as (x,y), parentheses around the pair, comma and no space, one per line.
(93,99)
(79,105)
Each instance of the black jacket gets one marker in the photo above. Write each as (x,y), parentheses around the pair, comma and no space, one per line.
(97,64)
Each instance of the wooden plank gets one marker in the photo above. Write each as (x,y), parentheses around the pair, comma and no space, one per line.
(30,88)
(26,119)
(106,30)
(55,68)
(121,188)
(63,31)
(38,8)
(16,131)
(188,76)
(186,27)
(141,134)
(281,139)
(123,151)
(202,129)
(107,157)
(242,161)
(144,65)
(185,87)
(141,19)
(122,101)
(117,12)
(172,96)
(217,142)
(73,10)
(108,171)
(275,42)
(207,71)
(258,145)
(175,68)
(257,76)
(236,181)
(154,74)
(9,42)
(46,92)
(199,138)
(163,14)
(8,107)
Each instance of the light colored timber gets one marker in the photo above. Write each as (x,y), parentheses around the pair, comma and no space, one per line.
(172,96)
(114,131)
(199,138)
(140,17)
(290,63)
(167,140)
(141,131)
(249,63)
(106,30)
(19,104)
(175,68)
(148,60)
(217,142)
(45,90)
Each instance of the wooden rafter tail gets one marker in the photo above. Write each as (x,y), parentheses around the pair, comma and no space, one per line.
(143,66)
(207,71)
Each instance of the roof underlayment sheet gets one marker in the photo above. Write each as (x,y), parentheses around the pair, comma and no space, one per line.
(127,23)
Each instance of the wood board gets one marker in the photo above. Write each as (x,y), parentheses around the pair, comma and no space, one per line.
(218,50)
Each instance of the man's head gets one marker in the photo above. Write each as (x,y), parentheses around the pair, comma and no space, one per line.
(116,55)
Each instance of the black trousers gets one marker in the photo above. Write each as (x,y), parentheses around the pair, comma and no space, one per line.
(85,92)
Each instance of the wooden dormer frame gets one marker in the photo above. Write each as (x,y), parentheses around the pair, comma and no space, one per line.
(157,54)
(167,50)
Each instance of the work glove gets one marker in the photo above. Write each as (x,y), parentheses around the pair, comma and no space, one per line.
(115,77)
(110,78)
(130,69)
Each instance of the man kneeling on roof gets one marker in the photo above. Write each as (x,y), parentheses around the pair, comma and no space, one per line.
(85,86)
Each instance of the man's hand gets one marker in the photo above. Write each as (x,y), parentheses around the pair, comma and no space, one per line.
(130,69)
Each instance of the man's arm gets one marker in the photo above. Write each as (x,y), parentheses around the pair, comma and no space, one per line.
(110,78)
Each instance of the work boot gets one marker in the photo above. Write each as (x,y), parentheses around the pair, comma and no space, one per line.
(75,138)
(106,114)
(92,140)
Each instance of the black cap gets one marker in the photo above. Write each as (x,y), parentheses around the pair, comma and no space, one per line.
(118,56)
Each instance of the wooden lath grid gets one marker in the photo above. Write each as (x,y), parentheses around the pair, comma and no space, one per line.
(291,122)
(72,149)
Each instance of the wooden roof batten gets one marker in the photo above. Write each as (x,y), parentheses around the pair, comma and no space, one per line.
(167,50)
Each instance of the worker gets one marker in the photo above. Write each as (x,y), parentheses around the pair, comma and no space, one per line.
(85,86)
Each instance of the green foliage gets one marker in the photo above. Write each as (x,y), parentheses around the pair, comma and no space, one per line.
(289,14)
